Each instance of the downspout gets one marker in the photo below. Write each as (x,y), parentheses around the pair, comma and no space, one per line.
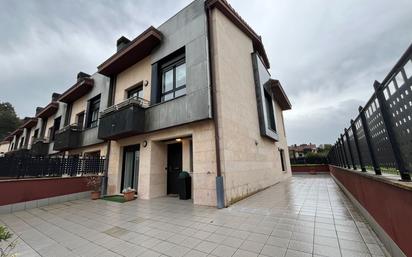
(220,192)
(105,178)
(110,102)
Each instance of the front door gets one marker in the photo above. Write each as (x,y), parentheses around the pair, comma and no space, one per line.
(174,166)
(130,173)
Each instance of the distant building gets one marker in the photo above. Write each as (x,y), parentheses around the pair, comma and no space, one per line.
(4,147)
(324,146)
(299,151)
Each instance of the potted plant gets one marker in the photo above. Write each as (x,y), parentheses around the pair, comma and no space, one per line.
(128,193)
(93,183)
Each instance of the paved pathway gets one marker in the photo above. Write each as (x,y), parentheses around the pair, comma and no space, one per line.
(303,216)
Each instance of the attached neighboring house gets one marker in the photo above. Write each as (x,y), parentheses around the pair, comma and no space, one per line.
(49,121)
(84,101)
(194,95)
(19,140)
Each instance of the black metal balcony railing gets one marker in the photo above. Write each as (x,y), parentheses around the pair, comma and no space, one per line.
(68,138)
(40,146)
(124,119)
(380,137)
(50,166)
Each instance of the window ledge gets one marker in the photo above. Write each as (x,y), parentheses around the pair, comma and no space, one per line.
(160,103)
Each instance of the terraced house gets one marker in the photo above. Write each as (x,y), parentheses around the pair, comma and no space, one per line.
(193,94)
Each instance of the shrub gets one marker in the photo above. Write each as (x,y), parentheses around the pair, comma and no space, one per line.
(93,183)
(5,235)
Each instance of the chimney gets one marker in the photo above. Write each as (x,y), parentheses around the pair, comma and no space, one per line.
(55,96)
(38,110)
(82,75)
(122,42)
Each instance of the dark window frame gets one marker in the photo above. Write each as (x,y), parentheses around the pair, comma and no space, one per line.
(270,112)
(134,89)
(50,133)
(282,159)
(166,67)
(91,109)
(80,125)
(21,144)
(36,133)
(55,127)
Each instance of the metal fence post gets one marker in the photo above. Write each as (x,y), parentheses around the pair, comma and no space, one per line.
(350,149)
(391,133)
(337,157)
(368,138)
(344,151)
(337,154)
(333,154)
(356,139)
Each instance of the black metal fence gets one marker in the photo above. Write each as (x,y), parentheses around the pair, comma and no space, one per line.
(380,137)
(50,166)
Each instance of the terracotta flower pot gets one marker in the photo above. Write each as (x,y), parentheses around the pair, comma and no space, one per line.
(95,195)
(128,196)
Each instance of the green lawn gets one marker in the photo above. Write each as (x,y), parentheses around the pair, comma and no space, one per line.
(114,198)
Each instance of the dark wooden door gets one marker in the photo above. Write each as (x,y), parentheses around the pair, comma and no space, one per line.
(174,166)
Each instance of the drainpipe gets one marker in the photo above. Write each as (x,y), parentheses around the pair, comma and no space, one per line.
(105,178)
(110,102)
(220,192)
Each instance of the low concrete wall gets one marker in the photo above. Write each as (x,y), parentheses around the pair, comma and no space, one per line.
(385,202)
(309,168)
(23,190)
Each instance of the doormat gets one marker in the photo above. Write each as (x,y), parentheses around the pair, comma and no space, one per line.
(114,198)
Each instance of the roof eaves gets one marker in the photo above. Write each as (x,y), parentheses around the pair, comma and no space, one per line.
(231,13)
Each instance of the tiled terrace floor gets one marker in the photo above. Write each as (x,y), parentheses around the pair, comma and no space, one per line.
(303,216)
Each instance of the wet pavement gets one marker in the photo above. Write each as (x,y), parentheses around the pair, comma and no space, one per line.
(306,215)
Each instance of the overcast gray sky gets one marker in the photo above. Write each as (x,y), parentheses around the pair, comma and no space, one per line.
(326,53)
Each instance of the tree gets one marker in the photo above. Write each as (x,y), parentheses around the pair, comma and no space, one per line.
(316,158)
(8,119)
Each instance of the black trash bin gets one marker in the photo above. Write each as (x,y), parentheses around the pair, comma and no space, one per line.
(185,186)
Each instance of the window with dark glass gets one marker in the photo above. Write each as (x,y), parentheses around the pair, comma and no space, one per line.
(135,92)
(270,114)
(50,134)
(80,120)
(21,142)
(93,112)
(36,133)
(173,77)
(282,159)
(55,127)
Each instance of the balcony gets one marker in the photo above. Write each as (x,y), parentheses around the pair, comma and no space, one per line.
(40,146)
(68,138)
(124,119)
